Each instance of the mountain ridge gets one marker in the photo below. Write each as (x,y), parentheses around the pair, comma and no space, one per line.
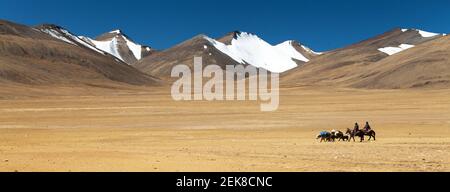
(235,48)
(358,65)
(350,64)
(30,56)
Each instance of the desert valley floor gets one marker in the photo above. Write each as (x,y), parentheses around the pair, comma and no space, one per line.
(141,130)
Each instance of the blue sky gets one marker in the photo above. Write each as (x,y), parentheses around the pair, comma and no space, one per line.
(320,24)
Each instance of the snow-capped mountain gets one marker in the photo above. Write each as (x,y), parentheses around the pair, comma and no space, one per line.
(242,47)
(399,58)
(114,43)
(391,56)
(235,48)
(51,55)
(415,36)
(424,34)
(120,45)
(247,48)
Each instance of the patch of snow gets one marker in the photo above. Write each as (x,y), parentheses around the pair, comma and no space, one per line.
(148,49)
(427,34)
(395,50)
(135,48)
(205,47)
(406,46)
(57,35)
(287,48)
(86,39)
(82,42)
(110,47)
(116,31)
(424,34)
(247,48)
(311,51)
(68,37)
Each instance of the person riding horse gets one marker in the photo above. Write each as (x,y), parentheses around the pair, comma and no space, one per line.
(356,129)
(367,131)
(367,127)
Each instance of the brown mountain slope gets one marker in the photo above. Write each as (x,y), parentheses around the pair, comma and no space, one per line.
(29,56)
(424,66)
(343,66)
(228,37)
(10,28)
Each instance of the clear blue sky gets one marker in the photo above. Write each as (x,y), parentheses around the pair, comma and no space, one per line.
(320,24)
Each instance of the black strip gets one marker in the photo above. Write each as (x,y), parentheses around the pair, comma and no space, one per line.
(234,181)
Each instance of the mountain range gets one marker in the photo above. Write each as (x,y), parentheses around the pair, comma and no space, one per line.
(50,54)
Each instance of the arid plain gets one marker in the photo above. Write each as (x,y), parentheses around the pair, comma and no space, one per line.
(143,129)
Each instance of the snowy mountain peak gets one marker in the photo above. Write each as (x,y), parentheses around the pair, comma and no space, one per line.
(237,34)
(242,35)
(229,37)
(408,39)
(114,43)
(117,31)
(120,45)
(110,35)
(234,34)
(248,48)
(424,34)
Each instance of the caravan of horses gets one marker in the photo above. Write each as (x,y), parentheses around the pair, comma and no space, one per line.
(349,135)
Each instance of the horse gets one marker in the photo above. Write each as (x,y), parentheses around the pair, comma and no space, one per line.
(371,133)
(353,133)
(361,134)
(325,136)
(337,135)
(345,138)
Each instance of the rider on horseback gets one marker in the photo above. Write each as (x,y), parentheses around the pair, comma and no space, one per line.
(367,127)
(356,129)
(367,131)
